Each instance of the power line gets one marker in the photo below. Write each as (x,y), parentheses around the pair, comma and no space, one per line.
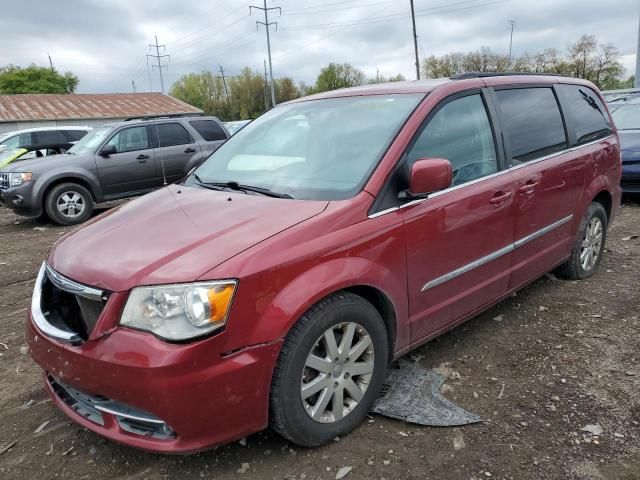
(266,24)
(157,56)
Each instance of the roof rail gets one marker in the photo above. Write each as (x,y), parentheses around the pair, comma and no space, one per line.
(165,115)
(465,75)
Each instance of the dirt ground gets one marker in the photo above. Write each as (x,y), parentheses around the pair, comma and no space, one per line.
(538,368)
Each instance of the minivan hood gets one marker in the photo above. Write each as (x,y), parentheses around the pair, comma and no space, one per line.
(173,235)
(38,163)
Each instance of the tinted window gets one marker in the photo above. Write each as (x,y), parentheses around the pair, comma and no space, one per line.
(460,132)
(209,130)
(49,137)
(172,134)
(588,115)
(130,139)
(74,135)
(532,120)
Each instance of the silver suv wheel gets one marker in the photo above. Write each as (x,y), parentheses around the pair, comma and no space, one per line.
(337,372)
(591,244)
(70,204)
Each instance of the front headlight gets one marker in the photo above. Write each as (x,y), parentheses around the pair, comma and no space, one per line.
(179,312)
(18,178)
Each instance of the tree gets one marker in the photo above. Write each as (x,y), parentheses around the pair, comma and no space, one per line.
(335,76)
(286,89)
(205,91)
(382,79)
(34,79)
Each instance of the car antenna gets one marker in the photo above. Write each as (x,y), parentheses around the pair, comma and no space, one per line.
(164,177)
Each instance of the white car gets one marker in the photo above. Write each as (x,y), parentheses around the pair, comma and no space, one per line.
(43,136)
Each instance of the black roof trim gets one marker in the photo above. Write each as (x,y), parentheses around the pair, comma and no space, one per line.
(465,75)
(167,115)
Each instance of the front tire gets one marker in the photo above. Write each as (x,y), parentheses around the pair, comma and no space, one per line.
(589,245)
(69,204)
(330,370)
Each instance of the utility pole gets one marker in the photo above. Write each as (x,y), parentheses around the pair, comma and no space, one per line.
(224,82)
(133,86)
(266,24)
(636,82)
(415,40)
(157,56)
(149,73)
(513,24)
(50,62)
(266,87)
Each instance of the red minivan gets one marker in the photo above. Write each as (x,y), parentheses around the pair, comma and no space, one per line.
(275,284)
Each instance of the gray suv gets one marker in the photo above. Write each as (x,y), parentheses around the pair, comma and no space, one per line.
(113,161)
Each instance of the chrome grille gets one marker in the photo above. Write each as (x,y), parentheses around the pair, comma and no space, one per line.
(4,181)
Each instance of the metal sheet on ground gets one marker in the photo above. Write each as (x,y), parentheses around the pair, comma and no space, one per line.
(412,393)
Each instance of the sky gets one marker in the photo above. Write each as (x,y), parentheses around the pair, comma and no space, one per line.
(105,43)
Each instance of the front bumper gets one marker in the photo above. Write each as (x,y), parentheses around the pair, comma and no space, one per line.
(21,200)
(201,397)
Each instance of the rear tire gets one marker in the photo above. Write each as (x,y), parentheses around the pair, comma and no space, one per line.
(589,245)
(69,204)
(344,389)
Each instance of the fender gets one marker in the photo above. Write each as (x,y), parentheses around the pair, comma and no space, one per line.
(292,301)
(68,172)
(596,185)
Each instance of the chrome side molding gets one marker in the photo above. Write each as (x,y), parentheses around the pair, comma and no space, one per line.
(495,255)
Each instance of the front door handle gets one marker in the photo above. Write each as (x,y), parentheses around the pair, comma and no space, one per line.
(528,187)
(499,198)
(142,158)
(190,150)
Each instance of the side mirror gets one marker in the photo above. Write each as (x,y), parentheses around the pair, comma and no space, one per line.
(108,150)
(429,175)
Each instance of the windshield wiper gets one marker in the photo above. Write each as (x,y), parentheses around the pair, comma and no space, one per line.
(239,187)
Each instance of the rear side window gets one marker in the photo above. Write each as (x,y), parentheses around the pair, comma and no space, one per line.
(49,137)
(171,134)
(531,118)
(74,135)
(210,130)
(460,132)
(588,115)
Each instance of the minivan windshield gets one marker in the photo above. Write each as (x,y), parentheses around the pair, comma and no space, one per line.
(627,117)
(90,141)
(316,150)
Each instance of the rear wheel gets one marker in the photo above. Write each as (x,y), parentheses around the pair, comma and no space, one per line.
(589,245)
(330,370)
(69,204)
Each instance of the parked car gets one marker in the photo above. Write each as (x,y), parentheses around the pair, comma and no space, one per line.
(43,136)
(627,120)
(276,282)
(28,152)
(236,125)
(113,161)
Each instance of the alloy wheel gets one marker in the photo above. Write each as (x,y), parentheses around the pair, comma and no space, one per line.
(71,204)
(337,372)
(591,244)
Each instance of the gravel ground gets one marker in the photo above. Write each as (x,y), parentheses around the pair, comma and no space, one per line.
(538,368)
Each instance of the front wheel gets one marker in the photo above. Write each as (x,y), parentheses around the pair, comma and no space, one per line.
(589,245)
(69,204)
(330,370)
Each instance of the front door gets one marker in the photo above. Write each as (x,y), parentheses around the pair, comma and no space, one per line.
(459,240)
(131,169)
(174,148)
(549,179)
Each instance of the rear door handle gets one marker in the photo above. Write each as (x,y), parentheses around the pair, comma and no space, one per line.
(142,158)
(190,150)
(499,198)
(528,187)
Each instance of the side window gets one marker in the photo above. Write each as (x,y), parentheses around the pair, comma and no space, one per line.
(209,130)
(74,135)
(12,142)
(588,115)
(460,132)
(49,137)
(531,118)
(171,134)
(25,139)
(130,139)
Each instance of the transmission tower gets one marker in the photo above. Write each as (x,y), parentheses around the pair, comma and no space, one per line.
(266,24)
(157,56)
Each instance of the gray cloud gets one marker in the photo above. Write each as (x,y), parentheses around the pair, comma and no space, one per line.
(105,43)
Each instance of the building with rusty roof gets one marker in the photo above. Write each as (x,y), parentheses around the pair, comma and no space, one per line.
(18,112)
